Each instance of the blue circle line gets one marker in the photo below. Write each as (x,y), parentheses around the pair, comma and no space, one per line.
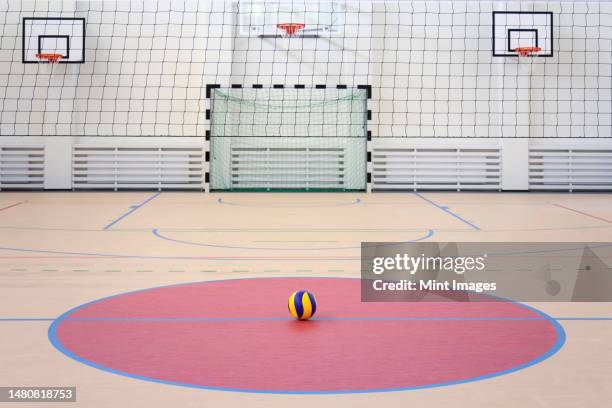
(339,204)
(52,334)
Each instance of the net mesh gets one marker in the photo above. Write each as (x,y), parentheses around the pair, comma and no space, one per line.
(431,65)
(288,139)
(289,112)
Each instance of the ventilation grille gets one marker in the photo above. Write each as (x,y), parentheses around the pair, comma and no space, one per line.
(276,168)
(22,167)
(570,169)
(436,169)
(95,167)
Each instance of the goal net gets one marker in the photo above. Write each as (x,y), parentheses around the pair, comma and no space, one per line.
(288,139)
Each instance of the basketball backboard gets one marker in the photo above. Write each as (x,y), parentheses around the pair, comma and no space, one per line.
(262,19)
(514,30)
(53,35)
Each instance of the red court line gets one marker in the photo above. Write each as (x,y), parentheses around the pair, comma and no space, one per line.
(583,213)
(10,206)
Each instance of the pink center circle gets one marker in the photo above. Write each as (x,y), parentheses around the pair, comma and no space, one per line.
(237,335)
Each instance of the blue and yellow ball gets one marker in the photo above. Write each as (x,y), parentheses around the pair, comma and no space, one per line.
(302,305)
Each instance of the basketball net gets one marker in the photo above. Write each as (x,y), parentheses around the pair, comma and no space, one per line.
(290,29)
(527,51)
(52,59)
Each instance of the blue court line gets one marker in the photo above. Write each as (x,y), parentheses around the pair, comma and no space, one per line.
(448,211)
(324,319)
(131,210)
(321,319)
(209,258)
(159,235)
(328,319)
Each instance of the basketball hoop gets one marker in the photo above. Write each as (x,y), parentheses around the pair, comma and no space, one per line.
(527,51)
(290,29)
(49,58)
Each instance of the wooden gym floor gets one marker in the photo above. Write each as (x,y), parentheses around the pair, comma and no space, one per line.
(61,250)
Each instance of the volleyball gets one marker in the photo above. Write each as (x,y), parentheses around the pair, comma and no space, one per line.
(302,305)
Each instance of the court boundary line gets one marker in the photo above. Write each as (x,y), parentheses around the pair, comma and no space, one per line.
(52,335)
(132,209)
(582,213)
(337,204)
(88,255)
(448,211)
(156,232)
(70,254)
(11,206)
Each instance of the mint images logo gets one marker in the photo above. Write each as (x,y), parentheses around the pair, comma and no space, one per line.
(521,271)
(412,264)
